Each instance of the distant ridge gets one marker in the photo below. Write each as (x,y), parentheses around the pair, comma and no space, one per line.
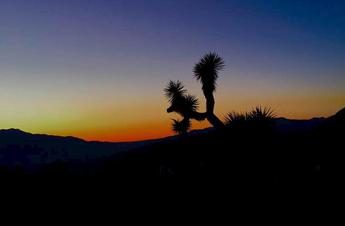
(339,115)
(29,150)
(12,135)
(300,125)
(13,131)
(281,123)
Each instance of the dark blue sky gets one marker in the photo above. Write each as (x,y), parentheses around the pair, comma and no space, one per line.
(91,55)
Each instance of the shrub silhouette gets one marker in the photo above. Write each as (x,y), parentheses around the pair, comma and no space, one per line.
(205,71)
(261,114)
(234,118)
(259,117)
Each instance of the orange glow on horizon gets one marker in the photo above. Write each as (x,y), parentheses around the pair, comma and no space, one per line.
(133,133)
(134,120)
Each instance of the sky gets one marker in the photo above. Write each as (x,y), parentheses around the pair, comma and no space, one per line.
(96,69)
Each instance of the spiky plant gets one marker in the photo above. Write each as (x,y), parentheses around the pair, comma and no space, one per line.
(258,118)
(206,71)
(181,102)
(191,102)
(235,118)
(174,90)
(261,114)
(181,127)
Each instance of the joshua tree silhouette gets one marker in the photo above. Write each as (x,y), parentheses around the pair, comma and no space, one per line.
(206,71)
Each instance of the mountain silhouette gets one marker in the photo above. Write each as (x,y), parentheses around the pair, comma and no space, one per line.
(26,150)
(289,153)
(19,148)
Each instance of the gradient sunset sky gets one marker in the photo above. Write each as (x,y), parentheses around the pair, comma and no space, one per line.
(96,69)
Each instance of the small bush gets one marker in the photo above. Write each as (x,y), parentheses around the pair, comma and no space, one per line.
(261,114)
(258,117)
(235,118)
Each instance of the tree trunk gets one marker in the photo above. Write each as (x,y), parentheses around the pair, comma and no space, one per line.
(215,121)
(209,102)
(211,117)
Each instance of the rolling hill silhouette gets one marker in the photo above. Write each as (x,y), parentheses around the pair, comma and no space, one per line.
(29,151)
(288,153)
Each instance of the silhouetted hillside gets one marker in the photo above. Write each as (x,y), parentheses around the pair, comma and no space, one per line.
(29,151)
(286,154)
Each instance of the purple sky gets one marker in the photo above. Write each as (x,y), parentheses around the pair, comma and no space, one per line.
(101,65)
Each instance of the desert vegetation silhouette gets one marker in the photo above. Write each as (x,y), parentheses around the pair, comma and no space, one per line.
(205,71)
(259,118)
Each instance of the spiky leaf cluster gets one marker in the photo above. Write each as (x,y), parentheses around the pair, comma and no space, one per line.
(259,115)
(181,127)
(206,71)
(180,101)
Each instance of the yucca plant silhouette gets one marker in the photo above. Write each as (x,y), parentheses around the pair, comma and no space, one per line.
(258,117)
(206,71)
(234,118)
(261,114)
